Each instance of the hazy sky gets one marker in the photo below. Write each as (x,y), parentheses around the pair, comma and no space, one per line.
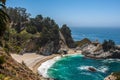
(74,12)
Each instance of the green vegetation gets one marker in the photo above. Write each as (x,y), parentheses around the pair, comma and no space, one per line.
(67,35)
(19,18)
(37,22)
(31,29)
(83,42)
(2,77)
(108,45)
(4,24)
(40,30)
(4,18)
(2,60)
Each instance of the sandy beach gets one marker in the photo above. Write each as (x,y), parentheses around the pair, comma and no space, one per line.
(33,60)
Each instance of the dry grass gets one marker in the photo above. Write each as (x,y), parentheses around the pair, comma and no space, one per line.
(14,70)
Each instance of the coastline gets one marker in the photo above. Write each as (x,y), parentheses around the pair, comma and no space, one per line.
(33,60)
(43,68)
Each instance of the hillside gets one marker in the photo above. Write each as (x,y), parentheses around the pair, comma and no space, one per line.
(39,34)
(11,70)
(24,34)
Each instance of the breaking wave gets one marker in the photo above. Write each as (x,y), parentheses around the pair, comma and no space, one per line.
(102,69)
(78,67)
(111,60)
(42,70)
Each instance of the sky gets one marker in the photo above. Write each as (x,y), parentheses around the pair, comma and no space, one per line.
(77,13)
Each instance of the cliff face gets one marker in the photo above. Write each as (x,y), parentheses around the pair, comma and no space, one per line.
(65,30)
(53,47)
(95,50)
(50,47)
(11,70)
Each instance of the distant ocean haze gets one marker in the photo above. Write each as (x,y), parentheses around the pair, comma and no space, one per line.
(94,33)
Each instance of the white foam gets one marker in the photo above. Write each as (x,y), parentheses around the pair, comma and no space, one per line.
(42,70)
(111,60)
(102,69)
(85,67)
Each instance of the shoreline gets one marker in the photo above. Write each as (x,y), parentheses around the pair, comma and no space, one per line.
(43,68)
(33,60)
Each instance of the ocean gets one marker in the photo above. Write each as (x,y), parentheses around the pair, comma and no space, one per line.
(100,34)
(75,67)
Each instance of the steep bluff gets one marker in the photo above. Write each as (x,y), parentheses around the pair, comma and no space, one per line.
(53,47)
(65,30)
(11,70)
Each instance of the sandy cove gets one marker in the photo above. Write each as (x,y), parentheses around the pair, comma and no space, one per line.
(33,60)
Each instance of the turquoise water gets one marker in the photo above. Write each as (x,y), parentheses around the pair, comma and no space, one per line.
(76,68)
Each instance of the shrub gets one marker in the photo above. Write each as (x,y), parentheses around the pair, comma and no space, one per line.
(2,60)
(65,30)
(31,29)
(2,77)
(17,49)
(108,45)
(83,42)
(6,48)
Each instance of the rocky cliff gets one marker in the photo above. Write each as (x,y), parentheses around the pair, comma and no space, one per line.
(65,30)
(51,47)
(96,51)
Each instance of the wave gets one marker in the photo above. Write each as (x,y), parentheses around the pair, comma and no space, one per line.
(42,70)
(102,69)
(74,55)
(85,67)
(111,60)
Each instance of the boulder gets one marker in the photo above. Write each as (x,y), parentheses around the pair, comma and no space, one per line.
(92,69)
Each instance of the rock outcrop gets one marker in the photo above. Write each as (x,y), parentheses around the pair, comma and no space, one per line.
(31,45)
(83,42)
(53,47)
(65,30)
(111,77)
(97,52)
(48,49)
(92,69)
